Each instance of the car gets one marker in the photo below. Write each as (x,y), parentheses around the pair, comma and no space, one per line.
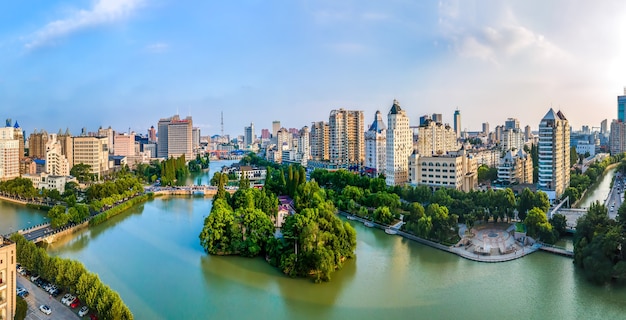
(23,294)
(93,316)
(45,309)
(70,300)
(34,277)
(66,297)
(75,303)
(22,272)
(84,310)
(55,292)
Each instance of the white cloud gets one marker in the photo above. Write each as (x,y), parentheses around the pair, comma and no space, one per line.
(103,12)
(158,47)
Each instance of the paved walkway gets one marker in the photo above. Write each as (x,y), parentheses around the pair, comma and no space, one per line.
(38,296)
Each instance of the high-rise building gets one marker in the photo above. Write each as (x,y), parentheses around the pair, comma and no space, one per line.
(621,106)
(435,138)
(152,135)
(18,135)
(9,155)
(515,167)
(66,142)
(347,145)
(603,126)
(195,139)
(320,140)
(124,144)
(37,144)
(108,133)
(527,133)
(617,137)
(56,163)
(376,146)
(511,123)
(554,157)
(249,136)
(485,128)
(457,123)
(265,134)
(275,128)
(437,117)
(512,139)
(399,146)
(8,259)
(304,145)
(93,151)
(424,118)
(175,137)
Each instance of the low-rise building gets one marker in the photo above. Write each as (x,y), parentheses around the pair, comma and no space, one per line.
(516,167)
(452,170)
(49,182)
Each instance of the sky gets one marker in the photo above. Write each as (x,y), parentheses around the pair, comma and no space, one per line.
(128,63)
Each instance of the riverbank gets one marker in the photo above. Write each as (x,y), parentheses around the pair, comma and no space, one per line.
(589,191)
(459,251)
(9,199)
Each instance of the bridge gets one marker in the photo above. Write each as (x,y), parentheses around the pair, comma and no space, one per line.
(556,250)
(200,190)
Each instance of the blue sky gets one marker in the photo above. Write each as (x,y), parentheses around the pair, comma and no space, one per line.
(127,63)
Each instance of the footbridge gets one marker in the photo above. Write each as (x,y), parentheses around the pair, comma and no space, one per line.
(199,190)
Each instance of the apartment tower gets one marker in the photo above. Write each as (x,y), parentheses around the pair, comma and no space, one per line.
(554,149)
(399,146)
(376,146)
(347,142)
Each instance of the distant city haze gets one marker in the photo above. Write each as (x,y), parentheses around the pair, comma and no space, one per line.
(128,63)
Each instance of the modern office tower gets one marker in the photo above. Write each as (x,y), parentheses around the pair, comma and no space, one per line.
(435,138)
(453,170)
(275,128)
(424,118)
(304,145)
(152,134)
(527,133)
(108,132)
(8,259)
(512,139)
(249,136)
(511,123)
(617,137)
(124,144)
(554,148)
(486,128)
(621,105)
(265,134)
(603,126)
(515,167)
(347,145)
(37,144)
(376,146)
(93,151)
(457,123)
(195,139)
(437,117)
(320,140)
(56,163)
(9,155)
(399,146)
(175,137)
(498,132)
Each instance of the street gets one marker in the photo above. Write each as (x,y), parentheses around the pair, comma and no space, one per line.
(37,297)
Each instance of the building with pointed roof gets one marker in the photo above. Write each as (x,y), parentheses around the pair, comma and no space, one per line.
(399,146)
(376,146)
(554,157)
(516,167)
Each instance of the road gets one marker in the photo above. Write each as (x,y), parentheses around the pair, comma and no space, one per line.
(38,297)
(615,198)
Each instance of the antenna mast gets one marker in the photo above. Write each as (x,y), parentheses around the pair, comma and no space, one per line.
(222,116)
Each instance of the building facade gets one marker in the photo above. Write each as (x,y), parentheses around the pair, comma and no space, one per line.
(37,144)
(320,140)
(124,144)
(8,259)
(435,138)
(515,167)
(56,163)
(376,146)
(621,107)
(455,170)
(175,137)
(554,157)
(9,154)
(347,143)
(399,146)
(457,123)
(93,151)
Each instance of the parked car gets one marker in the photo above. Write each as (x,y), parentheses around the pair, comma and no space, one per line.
(70,300)
(93,316)
(34,277)
(66,297)
(23,272)
(23,294)
(83,311)
(75,303)
(55,292)
(45,309)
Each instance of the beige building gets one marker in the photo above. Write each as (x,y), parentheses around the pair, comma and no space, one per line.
(8,288)
(93,151)
(37,144)
(124,144)
(175,137)
(347,145)
(553,149)
(56,163)
(453,170)
(435,138)
(320,140)
(515,167)
(399,146)
(9,154)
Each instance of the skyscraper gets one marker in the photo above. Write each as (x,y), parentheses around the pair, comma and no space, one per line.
(320,139)
(621,106)
(511,123)
(485,128)
(152,137)
(275,128)
(175,137)
(424,118)
(93,151)
(37,144)
(249,136)
(457,123)
(435,138)
(376,146)
(437,117)
(9,154)
(399,146)
(554,149)
(347,145)
(603,126)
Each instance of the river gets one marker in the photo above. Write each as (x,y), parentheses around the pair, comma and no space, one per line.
(152,257)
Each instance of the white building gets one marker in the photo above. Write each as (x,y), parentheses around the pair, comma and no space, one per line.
(515,167)
(376,146)
(554,148)
(435,138)
(56,163)
(455,170)
(512,139)
(304,145)
(93,151)
(9,154)
(399,146)
(582,147)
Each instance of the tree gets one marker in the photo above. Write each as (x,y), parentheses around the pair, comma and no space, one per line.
(537,224)
(82,172)
(572,193)
(383,215)
(58,217)
(573,156)
(559,224)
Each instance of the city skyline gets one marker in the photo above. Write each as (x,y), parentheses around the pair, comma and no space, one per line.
(127,63)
